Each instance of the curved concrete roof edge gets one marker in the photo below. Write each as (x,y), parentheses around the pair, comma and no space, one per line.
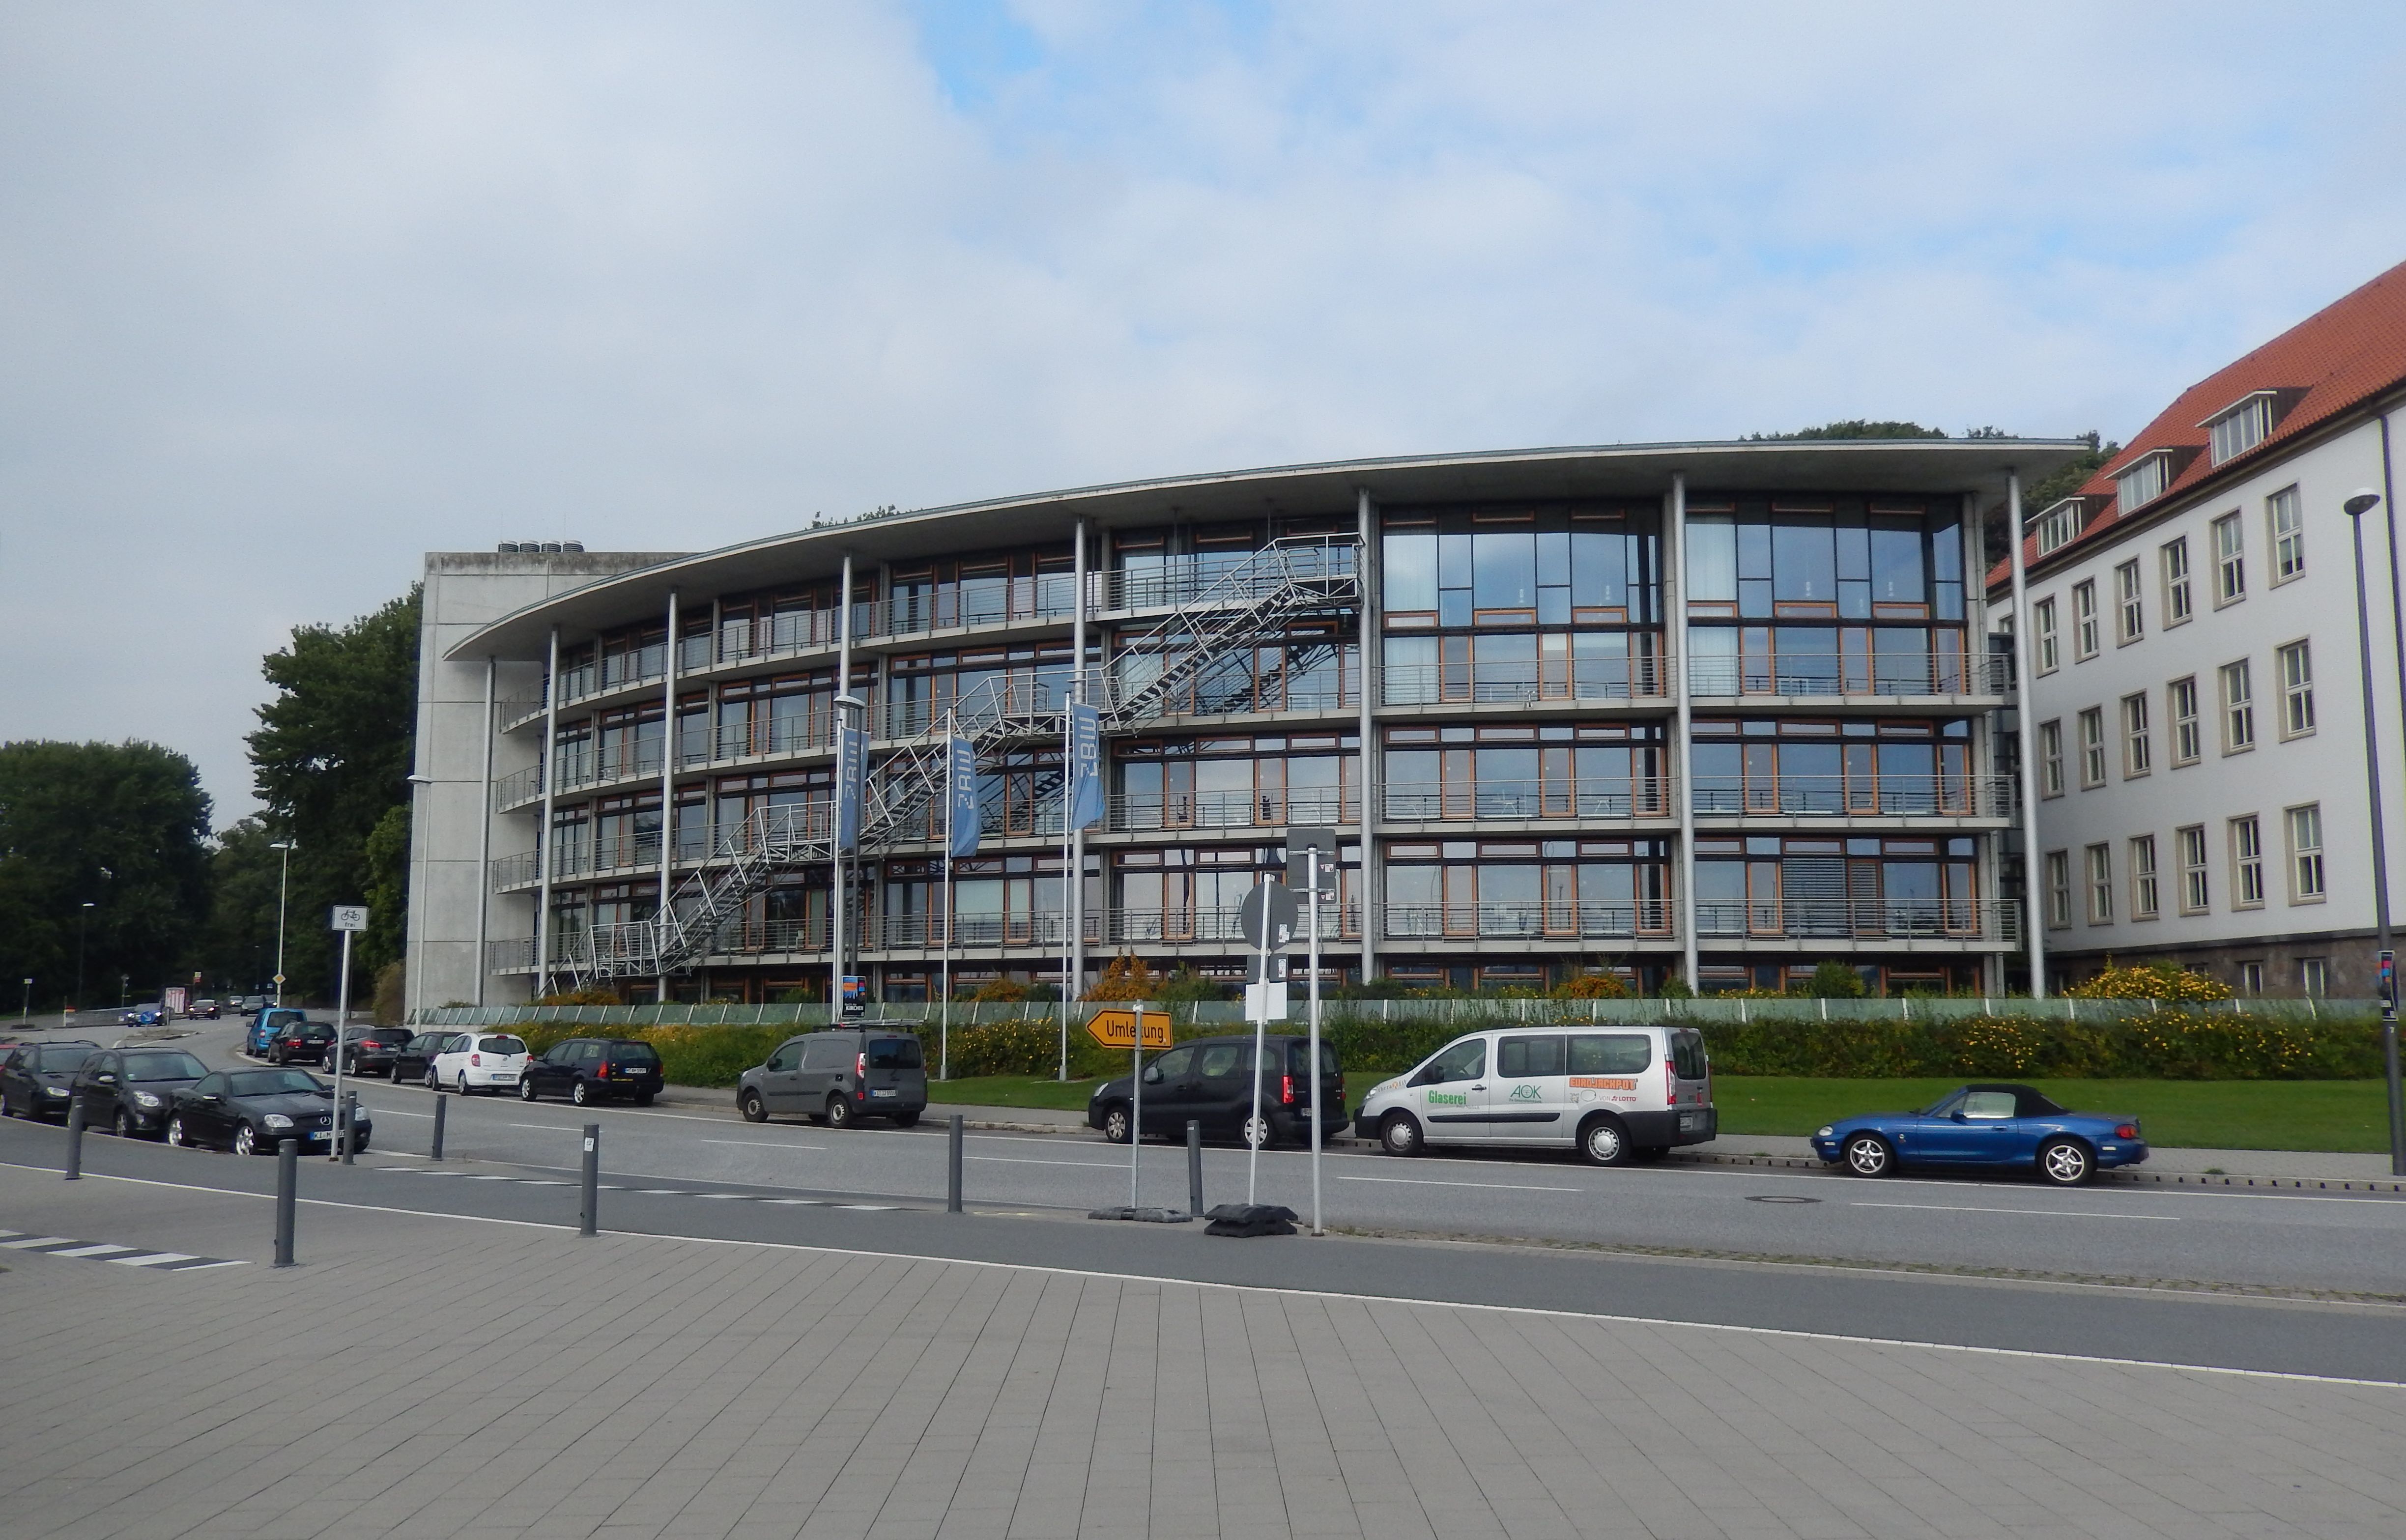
(1923,465)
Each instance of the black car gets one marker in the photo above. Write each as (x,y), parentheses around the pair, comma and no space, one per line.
(301,1042)
(249,1110)
(369,1050)
(591,1069)
(37,1079)
(1206,1081)
(126,1091)
(410,1061)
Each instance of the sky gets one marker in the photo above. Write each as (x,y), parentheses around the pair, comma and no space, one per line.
(292,294)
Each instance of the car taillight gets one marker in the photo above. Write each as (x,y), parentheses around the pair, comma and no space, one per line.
(602,1073)
(2126,1131)
(477,1059)
(1671,1081)
(1286,1089)
(860,1066)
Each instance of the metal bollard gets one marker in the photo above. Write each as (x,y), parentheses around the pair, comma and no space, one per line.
(1195,1168)
(351,1125)
(287,1189)
(75,1138)
(441,1106)
(952,1179)
(589,1214)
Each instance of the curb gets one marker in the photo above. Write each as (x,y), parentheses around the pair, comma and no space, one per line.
(2129,1178)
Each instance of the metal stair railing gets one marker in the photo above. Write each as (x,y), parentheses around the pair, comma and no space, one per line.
(1285,581)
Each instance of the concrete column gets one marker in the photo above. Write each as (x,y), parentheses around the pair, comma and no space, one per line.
(485,831)
(543,851)
(1675,602)
(2033,918)
(668,785)
(837,896)
(1074,973)
(1372,883)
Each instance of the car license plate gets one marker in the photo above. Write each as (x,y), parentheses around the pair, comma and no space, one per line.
(886,1091)
(1690,1121)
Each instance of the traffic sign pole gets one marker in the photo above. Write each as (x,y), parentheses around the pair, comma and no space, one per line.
(1312,896)
(1136,1103)
(1261,1013)
(349,919)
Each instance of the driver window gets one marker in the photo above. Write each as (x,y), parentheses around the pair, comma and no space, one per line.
(1174,1064)
(1465,1061)
(213,1086)
(1988,1104)
(785,1056)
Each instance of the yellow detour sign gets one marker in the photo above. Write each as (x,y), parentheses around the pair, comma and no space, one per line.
(1117,1028)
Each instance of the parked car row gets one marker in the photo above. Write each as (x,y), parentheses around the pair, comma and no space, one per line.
(168,1093)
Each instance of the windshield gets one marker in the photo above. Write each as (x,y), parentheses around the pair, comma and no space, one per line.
(502,1045)
(640,1054)
(1940,1108)
(163,1066)
(894,1053)
(62,1059)
(271,1082)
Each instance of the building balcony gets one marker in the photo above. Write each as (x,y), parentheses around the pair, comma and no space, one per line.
(1825,922)
(1827,798)
(1850,676)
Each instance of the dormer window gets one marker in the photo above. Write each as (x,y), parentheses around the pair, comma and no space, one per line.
(2241,427)
(2059,525)
(2144,480)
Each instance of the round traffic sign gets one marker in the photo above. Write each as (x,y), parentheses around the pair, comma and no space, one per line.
(1273,902)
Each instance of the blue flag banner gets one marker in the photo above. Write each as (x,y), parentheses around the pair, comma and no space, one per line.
(1085,767)
(961,778)
(851,777)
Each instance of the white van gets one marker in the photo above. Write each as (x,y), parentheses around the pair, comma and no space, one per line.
(1615,1094)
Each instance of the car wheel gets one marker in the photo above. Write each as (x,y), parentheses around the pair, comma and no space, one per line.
(643,1098)
(1604,1142)
(276,1056)
(175,1134)
(1118,1126)
(1257,1134)
(245,1142)
(839,1112)
(464,1082)
(119,1124)
(1400,1135)
(432,1083)
(2065,1163)
(526,1088)
(581,1094)
(752,1107)
(1869,1155)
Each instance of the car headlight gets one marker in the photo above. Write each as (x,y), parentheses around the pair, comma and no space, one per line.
(277,1120)
(54,1090)
(1826,1131)
(144,1098)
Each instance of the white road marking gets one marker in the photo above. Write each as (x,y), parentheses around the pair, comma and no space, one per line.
(546,1128)
(1424,1181)
(1022,1160)
(104,1248)
(31,1241)
(153,1260)
(762,1144)
(2050,1213)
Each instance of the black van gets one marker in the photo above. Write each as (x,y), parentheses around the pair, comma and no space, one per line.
(873,1070)
(1207,1080)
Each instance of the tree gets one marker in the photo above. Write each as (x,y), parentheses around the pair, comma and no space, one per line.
(120,827)
(331,760)
(237,950)
(1863,428)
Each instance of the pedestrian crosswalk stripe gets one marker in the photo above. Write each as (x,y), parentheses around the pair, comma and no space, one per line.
(109,1251)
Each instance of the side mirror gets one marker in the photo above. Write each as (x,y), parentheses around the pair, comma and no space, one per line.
(1430,1075)
(1958,1117)
(1152,1073)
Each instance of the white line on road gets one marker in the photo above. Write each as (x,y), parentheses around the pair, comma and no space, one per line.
(546,1128)
(1022,1160)
(2050,1213)
(1508,1186)
(762,1144)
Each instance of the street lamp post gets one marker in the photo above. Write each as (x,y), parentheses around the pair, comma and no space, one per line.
(2359,504)
(81,915)
(282,883)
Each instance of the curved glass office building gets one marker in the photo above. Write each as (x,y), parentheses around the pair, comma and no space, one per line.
(1713,710)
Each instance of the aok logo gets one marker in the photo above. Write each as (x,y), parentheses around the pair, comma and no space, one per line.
(1447,1098)
(1527,1093)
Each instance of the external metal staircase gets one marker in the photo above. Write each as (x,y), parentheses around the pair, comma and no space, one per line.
(1151,677)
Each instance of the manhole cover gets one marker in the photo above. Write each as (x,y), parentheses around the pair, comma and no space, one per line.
(1780,1197)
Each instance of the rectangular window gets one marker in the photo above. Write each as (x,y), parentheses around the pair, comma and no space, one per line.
(2241,428)
(2143,482)
(2296,690)
(2178,603)
(2194,894)
(2093,748)
(2188,738)
(2238,709)
(2059,889)
(2229,560)
(2084,620)
(2137,753)
(2129,613)
(2250,978)
(2246,863)
(2314,977)
(2043,626)
(2100,884)
(2306,854)
(2287,517)
(2142,878)
(2050,758)
(2058,525)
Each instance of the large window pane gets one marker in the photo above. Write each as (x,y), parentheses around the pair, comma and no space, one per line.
(1409,570)
(1712,558)
(1897,576)
(1598,560)
(1505,566)
(1804,561)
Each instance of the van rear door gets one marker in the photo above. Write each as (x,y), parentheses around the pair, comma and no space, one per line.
(1690,1083)
(894,1073)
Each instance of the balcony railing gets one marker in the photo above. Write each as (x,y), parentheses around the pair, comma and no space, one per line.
(1528,921)
(1851,673)
(1469,684)
(1863,796)
(1617,798)
(1140,813)
(1880,919)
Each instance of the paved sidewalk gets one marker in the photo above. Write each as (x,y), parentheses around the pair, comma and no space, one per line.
(424,1376)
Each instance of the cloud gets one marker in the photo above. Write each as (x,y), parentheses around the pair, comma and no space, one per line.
(289,295)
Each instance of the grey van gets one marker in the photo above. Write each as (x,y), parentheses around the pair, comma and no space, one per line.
(873,1070)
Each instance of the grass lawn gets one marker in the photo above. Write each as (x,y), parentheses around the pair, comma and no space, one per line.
(1014,1091)
(2346,1115)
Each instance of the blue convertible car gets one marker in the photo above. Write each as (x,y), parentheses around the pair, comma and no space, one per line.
(1986,1126)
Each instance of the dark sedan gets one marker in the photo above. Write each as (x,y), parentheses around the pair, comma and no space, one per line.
(127,1091)
(249,1110)
(37,1079)
(410,1061)
(301,1042)
(370,1049)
